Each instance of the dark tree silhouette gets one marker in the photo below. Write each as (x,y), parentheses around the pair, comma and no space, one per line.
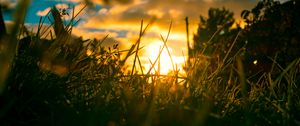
(212,29)
(272,30)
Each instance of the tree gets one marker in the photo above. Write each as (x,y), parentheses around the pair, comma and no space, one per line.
(212,29)
(272,30)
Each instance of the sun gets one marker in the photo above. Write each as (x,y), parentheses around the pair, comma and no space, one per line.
(165,61)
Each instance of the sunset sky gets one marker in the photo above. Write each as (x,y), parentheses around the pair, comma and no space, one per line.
(120,19)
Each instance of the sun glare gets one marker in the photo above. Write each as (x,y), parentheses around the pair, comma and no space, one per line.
(166,65)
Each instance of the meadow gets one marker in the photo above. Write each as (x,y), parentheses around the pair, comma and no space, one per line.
(62,81)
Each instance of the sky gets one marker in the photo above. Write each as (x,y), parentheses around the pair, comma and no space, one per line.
(121,20)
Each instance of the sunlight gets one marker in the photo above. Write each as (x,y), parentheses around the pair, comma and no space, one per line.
(166,65)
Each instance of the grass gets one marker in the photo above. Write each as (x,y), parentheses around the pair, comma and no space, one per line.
(72,87)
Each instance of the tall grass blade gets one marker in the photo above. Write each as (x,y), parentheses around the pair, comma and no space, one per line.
(10,44)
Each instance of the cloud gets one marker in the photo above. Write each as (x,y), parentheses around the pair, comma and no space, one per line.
(43,12)
(164,11)
(61,6)
(103,11)
(69,10)
(88,34)
(46,11)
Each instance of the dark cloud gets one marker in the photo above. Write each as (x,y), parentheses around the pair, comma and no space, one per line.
(196,7)
(134,14)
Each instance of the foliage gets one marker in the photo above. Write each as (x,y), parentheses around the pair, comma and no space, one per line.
(271,33)
(213,30)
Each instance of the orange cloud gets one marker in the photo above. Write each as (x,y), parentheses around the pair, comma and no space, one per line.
(43,12)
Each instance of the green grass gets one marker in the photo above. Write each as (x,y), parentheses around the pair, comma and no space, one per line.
(99,89)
